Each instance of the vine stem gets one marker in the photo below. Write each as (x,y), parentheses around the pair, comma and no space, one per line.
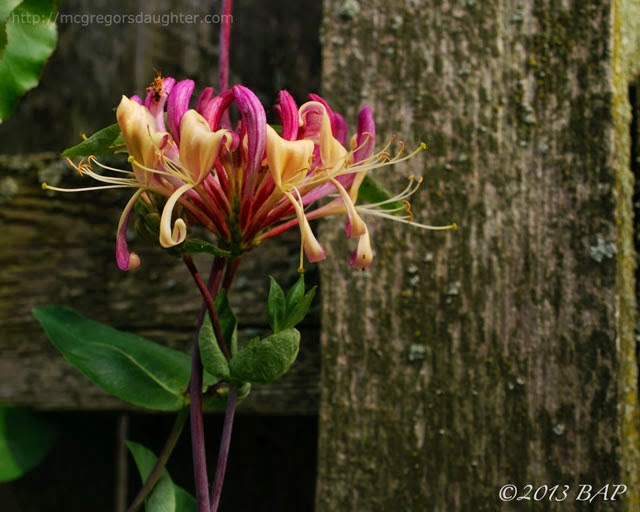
(163,457)
(195,387)
(225,43)
(216,279)
(197,432)
(208,293)
(223,55)
(223,453)
(230,273)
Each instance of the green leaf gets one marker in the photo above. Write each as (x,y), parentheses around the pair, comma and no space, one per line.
(286,312)
(299,310)
(373,192)
(194,245)
(6,7)
(276,305)
(295,293)
(29,38)
(185,502)
(264,361)
(163,496)
(25,439)
(132,368)
(213,359)
(166,496)
(227,318)
(5,10)
(104,142)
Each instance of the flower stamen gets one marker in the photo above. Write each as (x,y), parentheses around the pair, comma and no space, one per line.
(409,212)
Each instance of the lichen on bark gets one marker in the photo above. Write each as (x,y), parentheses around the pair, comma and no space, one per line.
(497,353)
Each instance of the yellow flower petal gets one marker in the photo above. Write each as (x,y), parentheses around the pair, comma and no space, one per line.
(138,126)
(288,160)
(199,146)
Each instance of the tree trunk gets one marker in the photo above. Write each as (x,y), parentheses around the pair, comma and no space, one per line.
(503,352)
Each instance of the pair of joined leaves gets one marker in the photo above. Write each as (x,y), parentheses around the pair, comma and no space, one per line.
(261,361)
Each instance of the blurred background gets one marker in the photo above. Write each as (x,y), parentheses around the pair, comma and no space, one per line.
(275,45)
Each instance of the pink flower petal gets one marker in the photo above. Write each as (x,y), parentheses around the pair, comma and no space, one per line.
(366,136)
(288,112)
(338,124)
(177,105)
(213,109)
(126,260)
(204,98)
(339,128)
(254,121)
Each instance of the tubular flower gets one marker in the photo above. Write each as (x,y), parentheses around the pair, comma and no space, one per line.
(250,183)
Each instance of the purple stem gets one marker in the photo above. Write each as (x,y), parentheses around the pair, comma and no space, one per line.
(208,293)
(195,390)
(197,433)
(223,57)
(223,453)
(225,42)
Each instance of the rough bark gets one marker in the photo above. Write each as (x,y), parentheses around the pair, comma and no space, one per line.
(503,352)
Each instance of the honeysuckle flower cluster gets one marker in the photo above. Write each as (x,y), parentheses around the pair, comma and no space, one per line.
(248,183)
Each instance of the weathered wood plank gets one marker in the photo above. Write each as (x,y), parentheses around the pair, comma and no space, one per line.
(274,45)
(58,249)
(503,352)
